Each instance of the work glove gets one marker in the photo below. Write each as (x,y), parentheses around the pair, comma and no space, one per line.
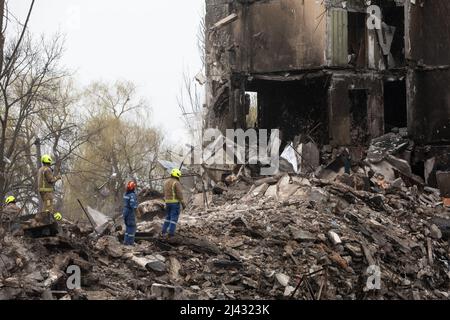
(57,216)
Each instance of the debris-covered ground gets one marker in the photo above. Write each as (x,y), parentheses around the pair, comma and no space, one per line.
(377,233)
(252,245)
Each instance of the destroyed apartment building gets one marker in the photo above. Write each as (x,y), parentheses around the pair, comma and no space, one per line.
(318,70)
(330,84)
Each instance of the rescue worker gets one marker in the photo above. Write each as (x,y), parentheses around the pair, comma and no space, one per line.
(9,215)
(11,207)
(11,210)
(173,196)
(129,213)
(46,185)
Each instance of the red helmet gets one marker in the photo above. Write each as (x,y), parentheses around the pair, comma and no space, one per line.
(131,186)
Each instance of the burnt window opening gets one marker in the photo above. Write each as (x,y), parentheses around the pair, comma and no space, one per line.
(297,108)
(395,105)
(358,112)
(418,168)
(395,17)
(251,109)
(357,55)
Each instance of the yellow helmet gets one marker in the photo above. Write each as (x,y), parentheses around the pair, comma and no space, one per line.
(176,173)
(46,159)
(57,216)
(10,199)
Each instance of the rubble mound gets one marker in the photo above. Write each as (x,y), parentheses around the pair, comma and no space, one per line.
(291,239)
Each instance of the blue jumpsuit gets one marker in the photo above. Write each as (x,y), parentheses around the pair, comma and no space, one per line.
(172,215)
(129,216)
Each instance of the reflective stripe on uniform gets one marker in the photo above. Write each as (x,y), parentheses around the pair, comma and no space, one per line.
(43,188)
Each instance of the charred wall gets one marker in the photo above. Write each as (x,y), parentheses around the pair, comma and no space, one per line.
(355,108)
(295,39)
(295,107)
(428,81)
(280,35)
(279,41)
(218,72)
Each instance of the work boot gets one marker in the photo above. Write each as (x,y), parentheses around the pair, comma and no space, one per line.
(172,237)
(162,236)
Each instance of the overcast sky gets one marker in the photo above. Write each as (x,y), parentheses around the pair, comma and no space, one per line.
(149,42)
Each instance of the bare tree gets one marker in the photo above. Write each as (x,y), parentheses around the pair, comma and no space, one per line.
(117,99)
(201,39)
(7,69)
(190,97)
(125,144)
(191,106)
(33,73)
(2,35)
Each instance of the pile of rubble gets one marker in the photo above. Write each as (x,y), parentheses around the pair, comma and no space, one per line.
(378,232)
(286,238)
(323,235)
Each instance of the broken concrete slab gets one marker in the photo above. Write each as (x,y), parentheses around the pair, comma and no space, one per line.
(288,291)
(334,238)
(435,232)
(250,283)
(198,199)
(98,295)
(260,190)
(303,182)
(272,192)
(388,144)
(111,245)
(99,219)
(269,180)
(286,188)
(140,262)
(174,269)
(150,209)
(443,180)
(166,292)
(400,164)
(308,156)
(301,235)
(332,170)
(282,279)
(156,266)
(384,168)
(256,192)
